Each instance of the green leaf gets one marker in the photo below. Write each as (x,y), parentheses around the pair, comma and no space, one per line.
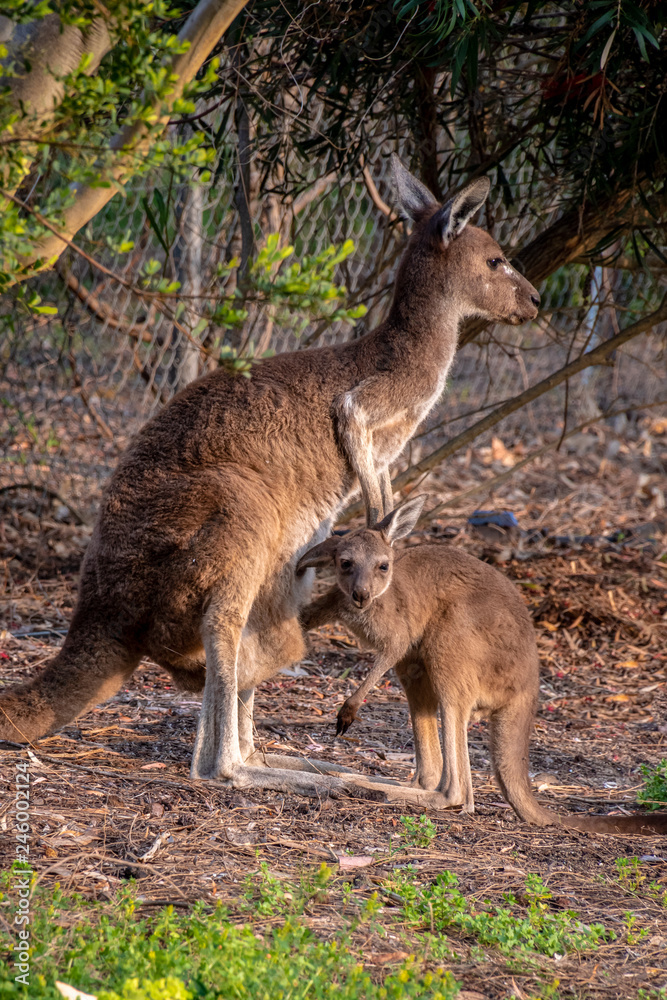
(154,224)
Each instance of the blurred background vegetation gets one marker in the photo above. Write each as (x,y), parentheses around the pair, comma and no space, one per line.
(224,193)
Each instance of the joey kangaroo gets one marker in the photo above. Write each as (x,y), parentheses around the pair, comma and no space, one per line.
(459,636)
(192,560)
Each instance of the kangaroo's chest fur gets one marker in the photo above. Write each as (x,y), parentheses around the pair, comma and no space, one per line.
(398,405)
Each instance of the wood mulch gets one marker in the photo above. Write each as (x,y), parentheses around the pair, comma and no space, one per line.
(111,797)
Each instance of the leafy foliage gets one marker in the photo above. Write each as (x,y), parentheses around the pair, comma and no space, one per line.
(42,163)
(420,832)
(654,792)
(441,906)
(573,91)
(203,954)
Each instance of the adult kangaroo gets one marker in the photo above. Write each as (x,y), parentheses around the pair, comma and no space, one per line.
(192,560)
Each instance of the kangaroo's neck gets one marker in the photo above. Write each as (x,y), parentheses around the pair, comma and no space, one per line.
(420,330)
(394,618)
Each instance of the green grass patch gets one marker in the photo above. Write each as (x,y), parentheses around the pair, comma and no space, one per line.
(654,793)
(440,906)
(260,945)
(204,954)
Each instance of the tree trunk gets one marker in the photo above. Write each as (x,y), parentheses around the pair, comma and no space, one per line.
(203,30)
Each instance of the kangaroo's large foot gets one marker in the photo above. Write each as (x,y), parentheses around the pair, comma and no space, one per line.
(309,764)
(339,785)
(454,796)
(428,780)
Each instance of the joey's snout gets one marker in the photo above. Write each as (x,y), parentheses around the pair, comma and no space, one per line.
(361,596)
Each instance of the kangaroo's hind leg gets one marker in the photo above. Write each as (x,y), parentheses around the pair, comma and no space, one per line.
(456,781)
(423,704)
(246,704)
(463,759)
(450,782)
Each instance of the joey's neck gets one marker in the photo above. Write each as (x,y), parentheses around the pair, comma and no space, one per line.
(398,604)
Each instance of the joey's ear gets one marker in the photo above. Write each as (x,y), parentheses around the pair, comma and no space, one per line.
(455,214)
(319,555)
(401,520)
(414,197)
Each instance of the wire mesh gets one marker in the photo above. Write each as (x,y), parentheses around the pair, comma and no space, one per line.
(73,389)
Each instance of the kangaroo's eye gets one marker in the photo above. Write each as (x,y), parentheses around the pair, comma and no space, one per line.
(345,564)
(384,567)
(493,262)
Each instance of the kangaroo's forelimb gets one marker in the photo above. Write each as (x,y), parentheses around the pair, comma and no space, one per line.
(323,610)
(355,422)
(349,709)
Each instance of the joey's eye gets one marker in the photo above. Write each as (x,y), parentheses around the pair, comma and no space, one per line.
(384,567)
(345,564)
(493,262)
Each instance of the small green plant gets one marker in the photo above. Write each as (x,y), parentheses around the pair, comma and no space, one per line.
(117,954)
(419,832)
(633,934)
(440,906)
(654,793)
(630,873)
(632,878)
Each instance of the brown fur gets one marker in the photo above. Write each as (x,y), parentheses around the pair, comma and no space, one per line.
(192,559)
(459,637)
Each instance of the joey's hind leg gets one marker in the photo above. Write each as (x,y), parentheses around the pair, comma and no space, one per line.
(450,783)
(424,716)
(463,759)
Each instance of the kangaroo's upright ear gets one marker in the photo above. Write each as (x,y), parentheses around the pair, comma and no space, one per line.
(402,519)
(455,214)
(414,197)
(319,555)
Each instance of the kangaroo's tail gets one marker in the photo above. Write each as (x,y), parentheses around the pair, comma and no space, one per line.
(646,825)
(510,736)
(510,730)
(89,668)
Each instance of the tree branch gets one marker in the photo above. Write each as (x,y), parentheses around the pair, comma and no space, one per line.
(313,192)
(495,481)
(104,312)
(203,30)
(375,196)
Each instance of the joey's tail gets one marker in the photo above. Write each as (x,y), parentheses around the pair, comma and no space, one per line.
(510,730)
(88,669)
(510,737)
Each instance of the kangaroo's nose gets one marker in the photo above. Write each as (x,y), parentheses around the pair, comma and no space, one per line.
(535,299)
(360,595)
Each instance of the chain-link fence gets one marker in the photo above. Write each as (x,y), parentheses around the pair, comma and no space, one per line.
(74,388)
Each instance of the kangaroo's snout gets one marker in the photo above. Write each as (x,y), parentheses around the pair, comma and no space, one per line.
(361,596)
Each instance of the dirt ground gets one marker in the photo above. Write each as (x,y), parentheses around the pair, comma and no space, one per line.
(112,797)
